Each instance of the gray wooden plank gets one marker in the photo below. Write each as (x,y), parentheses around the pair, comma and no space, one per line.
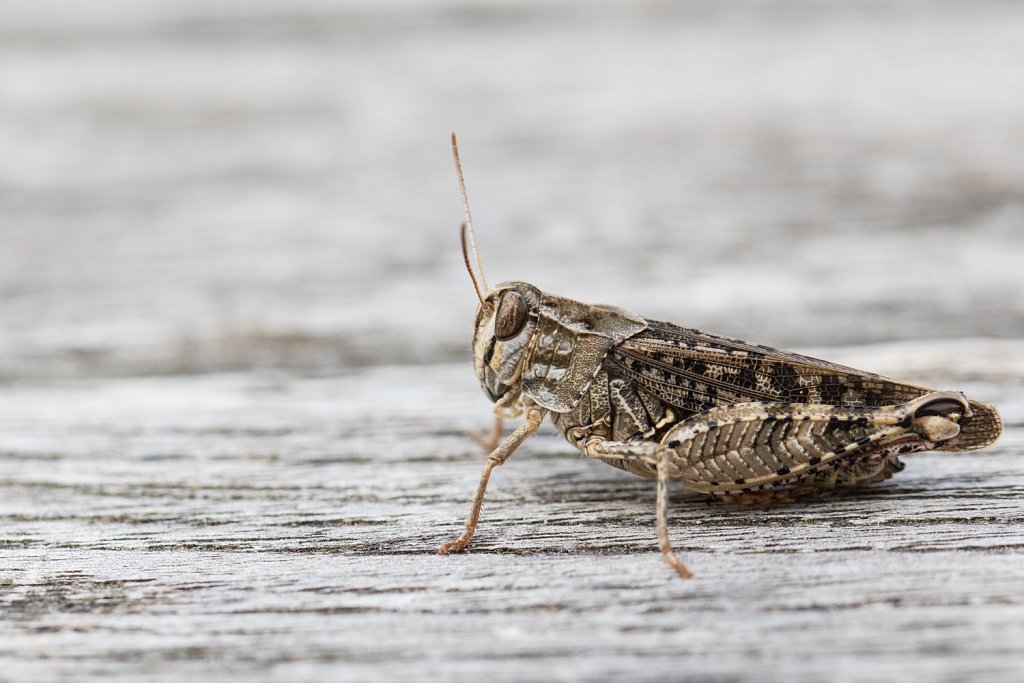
(271,526)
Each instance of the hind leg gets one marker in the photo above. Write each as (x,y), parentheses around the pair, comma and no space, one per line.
(768,447)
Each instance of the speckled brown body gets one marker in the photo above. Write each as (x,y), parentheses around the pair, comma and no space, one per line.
(737,420)
(740,421)
(604,374)
(665,375)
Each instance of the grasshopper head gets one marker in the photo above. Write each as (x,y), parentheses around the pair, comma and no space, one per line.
(505,323)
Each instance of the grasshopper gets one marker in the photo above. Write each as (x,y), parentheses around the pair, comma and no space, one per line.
(743,422)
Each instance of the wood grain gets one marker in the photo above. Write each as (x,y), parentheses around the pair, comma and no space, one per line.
(271,526)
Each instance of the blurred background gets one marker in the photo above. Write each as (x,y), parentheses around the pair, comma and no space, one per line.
(196,186)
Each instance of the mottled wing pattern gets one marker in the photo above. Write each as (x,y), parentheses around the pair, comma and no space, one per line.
(695,371)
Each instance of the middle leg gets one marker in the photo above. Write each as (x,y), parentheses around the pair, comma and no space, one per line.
(652,454)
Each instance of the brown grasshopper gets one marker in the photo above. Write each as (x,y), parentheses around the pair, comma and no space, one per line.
(743,422)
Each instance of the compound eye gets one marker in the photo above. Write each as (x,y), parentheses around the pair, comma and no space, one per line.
(511,316)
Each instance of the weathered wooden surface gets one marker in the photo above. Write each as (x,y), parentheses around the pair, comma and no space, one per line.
(234,376)
(272,527)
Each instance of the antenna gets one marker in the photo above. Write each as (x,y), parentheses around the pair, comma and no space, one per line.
(465,257)
(468,226)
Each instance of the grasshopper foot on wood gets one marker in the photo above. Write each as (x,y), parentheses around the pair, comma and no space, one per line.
(534,418)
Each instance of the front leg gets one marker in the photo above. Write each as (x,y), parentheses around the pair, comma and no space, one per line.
(506,407)
(652,454)
(534,418)
(490,441)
